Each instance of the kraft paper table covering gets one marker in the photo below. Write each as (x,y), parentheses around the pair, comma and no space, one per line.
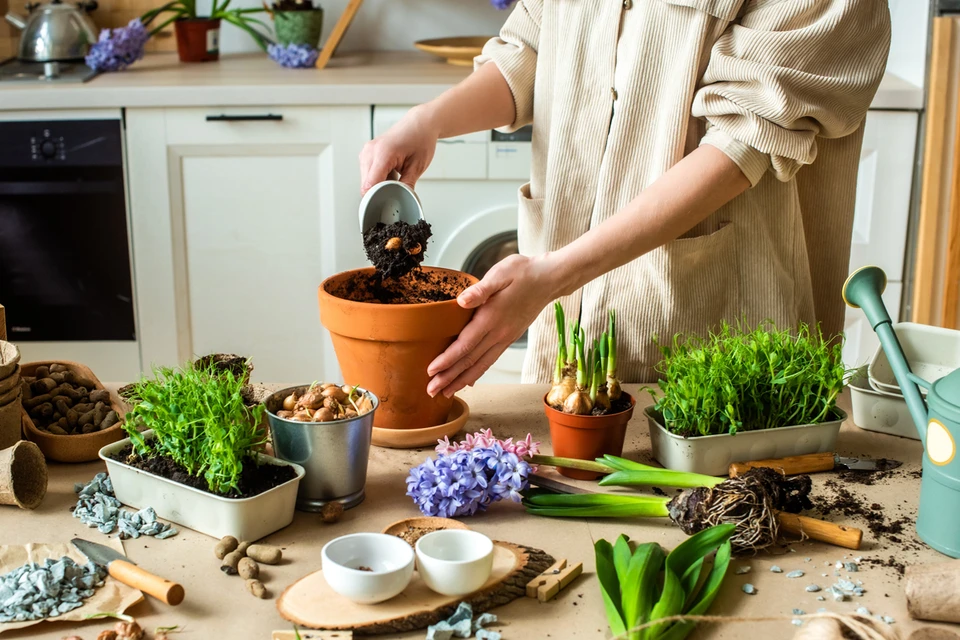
(112,597)
(217,605)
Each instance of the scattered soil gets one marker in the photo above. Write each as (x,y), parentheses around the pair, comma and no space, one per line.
(411,534)
(620,404)
(363,568)
(416,287)
(253,481)
(877,518)
(890,562)
(396,249)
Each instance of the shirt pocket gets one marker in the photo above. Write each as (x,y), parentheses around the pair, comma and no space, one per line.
(530,231)
(725,10)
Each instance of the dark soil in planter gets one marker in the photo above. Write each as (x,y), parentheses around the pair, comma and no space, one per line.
(254,479)
(397,249)
(620,404)
(416,287)
(293,5)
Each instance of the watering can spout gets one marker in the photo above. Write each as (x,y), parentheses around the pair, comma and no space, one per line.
(863,289)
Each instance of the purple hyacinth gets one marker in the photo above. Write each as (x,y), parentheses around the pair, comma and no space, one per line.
(502,4)
(463,482)
(118,48)
(293,56)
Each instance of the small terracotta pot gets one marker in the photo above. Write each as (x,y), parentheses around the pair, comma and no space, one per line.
(587,437)
(198,39)
(386,348)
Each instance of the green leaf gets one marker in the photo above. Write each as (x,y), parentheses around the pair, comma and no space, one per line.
(621,559)
(669,604)
(690,579)
(609,586)
(708,594)
(639,587)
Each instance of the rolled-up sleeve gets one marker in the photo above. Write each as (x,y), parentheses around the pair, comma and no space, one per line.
(514,52)
(788,72)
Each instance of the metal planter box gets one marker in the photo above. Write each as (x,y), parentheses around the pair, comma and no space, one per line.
(244,518)
(712,455)
(880,412)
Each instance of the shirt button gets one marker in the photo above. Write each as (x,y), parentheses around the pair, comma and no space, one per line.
(628,4)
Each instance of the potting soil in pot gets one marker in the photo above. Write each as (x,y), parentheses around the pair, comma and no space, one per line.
(415,287)
(253,481)
(396,249)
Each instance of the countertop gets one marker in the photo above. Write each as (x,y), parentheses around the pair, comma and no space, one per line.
(217,605)
(398,78)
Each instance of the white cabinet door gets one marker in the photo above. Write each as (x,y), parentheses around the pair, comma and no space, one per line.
(250,217)
(883,192)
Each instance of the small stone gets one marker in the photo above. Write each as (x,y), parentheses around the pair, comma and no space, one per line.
(795,574)
(796,622)
(851,567)
(887,619)
(863,611)
(749,589)
(821,598)
(776,569)
(742,569)
(807,559)
(799,612)
(822,610)
(813,588)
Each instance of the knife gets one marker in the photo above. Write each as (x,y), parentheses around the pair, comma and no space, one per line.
(813,462)
(126,571)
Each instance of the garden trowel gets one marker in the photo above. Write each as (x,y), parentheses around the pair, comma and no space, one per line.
(126,571)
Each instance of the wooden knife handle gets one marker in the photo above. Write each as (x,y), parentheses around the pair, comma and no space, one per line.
(792,466)
(132,575)
(830,532)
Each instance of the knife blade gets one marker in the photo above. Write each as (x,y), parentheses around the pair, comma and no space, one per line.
(813,462)
(126,571)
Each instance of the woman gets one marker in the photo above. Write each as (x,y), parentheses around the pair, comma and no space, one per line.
(673,173)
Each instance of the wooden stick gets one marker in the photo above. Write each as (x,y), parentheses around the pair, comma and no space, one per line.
(794,465)
(821,530)
(925,267)
(130,574)
(330,46)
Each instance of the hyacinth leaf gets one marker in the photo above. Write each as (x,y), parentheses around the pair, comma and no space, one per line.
(659,477)
(622,464)
(639,587)
(621,560)
(609,586)
(690,579)
(669,604)
(584,499)
(650,510)
(706,596)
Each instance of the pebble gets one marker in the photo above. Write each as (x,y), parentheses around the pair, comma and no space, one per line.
(821,598)
(863,611)
(822,610)
(35,591)
(795,574)
(797,622)
(462,625)
(813,588)
(742,569)
(776,569)
(97,507)
(887,619)
(749,589)
(799,612)
(807,559)
(851,567)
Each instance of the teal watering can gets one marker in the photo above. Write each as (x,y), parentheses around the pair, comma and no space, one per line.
(937,419)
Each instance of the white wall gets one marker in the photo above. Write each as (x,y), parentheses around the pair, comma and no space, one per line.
(908,47)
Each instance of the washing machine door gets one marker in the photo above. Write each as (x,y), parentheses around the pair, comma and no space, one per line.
(474,247)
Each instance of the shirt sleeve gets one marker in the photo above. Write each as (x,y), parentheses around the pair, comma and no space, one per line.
(788,72)
(514,52)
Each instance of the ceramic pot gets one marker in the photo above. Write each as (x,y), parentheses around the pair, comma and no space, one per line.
(198,39)
(386,348)
(299,27)
(587,437)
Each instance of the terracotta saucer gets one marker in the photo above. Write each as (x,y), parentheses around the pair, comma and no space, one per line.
(428,436)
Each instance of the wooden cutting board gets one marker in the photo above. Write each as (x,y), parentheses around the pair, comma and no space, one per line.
(311,603)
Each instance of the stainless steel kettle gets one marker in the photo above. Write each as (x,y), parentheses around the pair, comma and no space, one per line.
(55,31)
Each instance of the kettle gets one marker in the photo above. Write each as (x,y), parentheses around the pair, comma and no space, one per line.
(937,419)
(55,32)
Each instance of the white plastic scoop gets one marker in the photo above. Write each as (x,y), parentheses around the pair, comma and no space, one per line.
(389,202)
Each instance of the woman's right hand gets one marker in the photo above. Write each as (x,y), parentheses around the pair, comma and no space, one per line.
(406,148)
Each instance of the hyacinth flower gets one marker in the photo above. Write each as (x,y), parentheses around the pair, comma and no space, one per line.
(293,56)
(118,48)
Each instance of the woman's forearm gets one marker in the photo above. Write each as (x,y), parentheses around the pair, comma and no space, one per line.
(482,101)
(685,195)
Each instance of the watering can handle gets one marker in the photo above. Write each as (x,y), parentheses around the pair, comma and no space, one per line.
(919,381)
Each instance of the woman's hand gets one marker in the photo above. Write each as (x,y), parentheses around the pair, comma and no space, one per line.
(406,148)
(508,300)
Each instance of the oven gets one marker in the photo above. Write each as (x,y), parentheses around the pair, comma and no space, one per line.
(65,262)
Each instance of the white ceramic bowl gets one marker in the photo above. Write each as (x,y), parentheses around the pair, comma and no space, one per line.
(389,559)
(454,562)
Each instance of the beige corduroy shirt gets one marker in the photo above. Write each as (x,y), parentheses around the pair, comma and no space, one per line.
(618,91)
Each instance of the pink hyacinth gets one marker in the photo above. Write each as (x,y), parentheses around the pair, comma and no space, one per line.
(485,439)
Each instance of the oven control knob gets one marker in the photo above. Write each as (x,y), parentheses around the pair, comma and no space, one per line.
(48,148)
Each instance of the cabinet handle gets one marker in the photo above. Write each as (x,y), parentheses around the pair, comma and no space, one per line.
(223,117)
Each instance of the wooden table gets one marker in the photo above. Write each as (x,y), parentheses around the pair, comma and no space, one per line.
(217,606)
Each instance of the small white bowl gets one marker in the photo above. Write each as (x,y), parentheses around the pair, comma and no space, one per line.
(389,559)
(454,562)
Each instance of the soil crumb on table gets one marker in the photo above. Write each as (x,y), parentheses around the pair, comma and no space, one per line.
(254,479)
(396,249)
(416,287)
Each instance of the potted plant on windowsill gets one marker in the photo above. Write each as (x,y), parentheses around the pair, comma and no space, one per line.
(297,22)
(587,410)
(746,395)
(198,37)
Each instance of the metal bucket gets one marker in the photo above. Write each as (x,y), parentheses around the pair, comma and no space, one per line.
(334,454)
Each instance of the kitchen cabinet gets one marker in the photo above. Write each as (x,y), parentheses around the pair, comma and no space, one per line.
(237,216)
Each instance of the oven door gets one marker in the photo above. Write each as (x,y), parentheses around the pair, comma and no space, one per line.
(64,252)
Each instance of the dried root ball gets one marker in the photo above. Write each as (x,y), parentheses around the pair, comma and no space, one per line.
(264,553)
(248,569)
(230,562)
(331,512)
(225,546)
(242,548)
(256,588)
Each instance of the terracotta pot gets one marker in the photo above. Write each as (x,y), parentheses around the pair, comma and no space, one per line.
(386,348)
(198,39)
(587,437)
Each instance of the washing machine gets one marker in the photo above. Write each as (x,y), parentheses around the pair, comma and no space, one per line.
(469,197)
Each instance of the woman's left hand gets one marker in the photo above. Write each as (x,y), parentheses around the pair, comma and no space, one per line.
(508,299)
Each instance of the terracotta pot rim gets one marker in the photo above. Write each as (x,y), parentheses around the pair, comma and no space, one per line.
(633,405)
(398,307)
